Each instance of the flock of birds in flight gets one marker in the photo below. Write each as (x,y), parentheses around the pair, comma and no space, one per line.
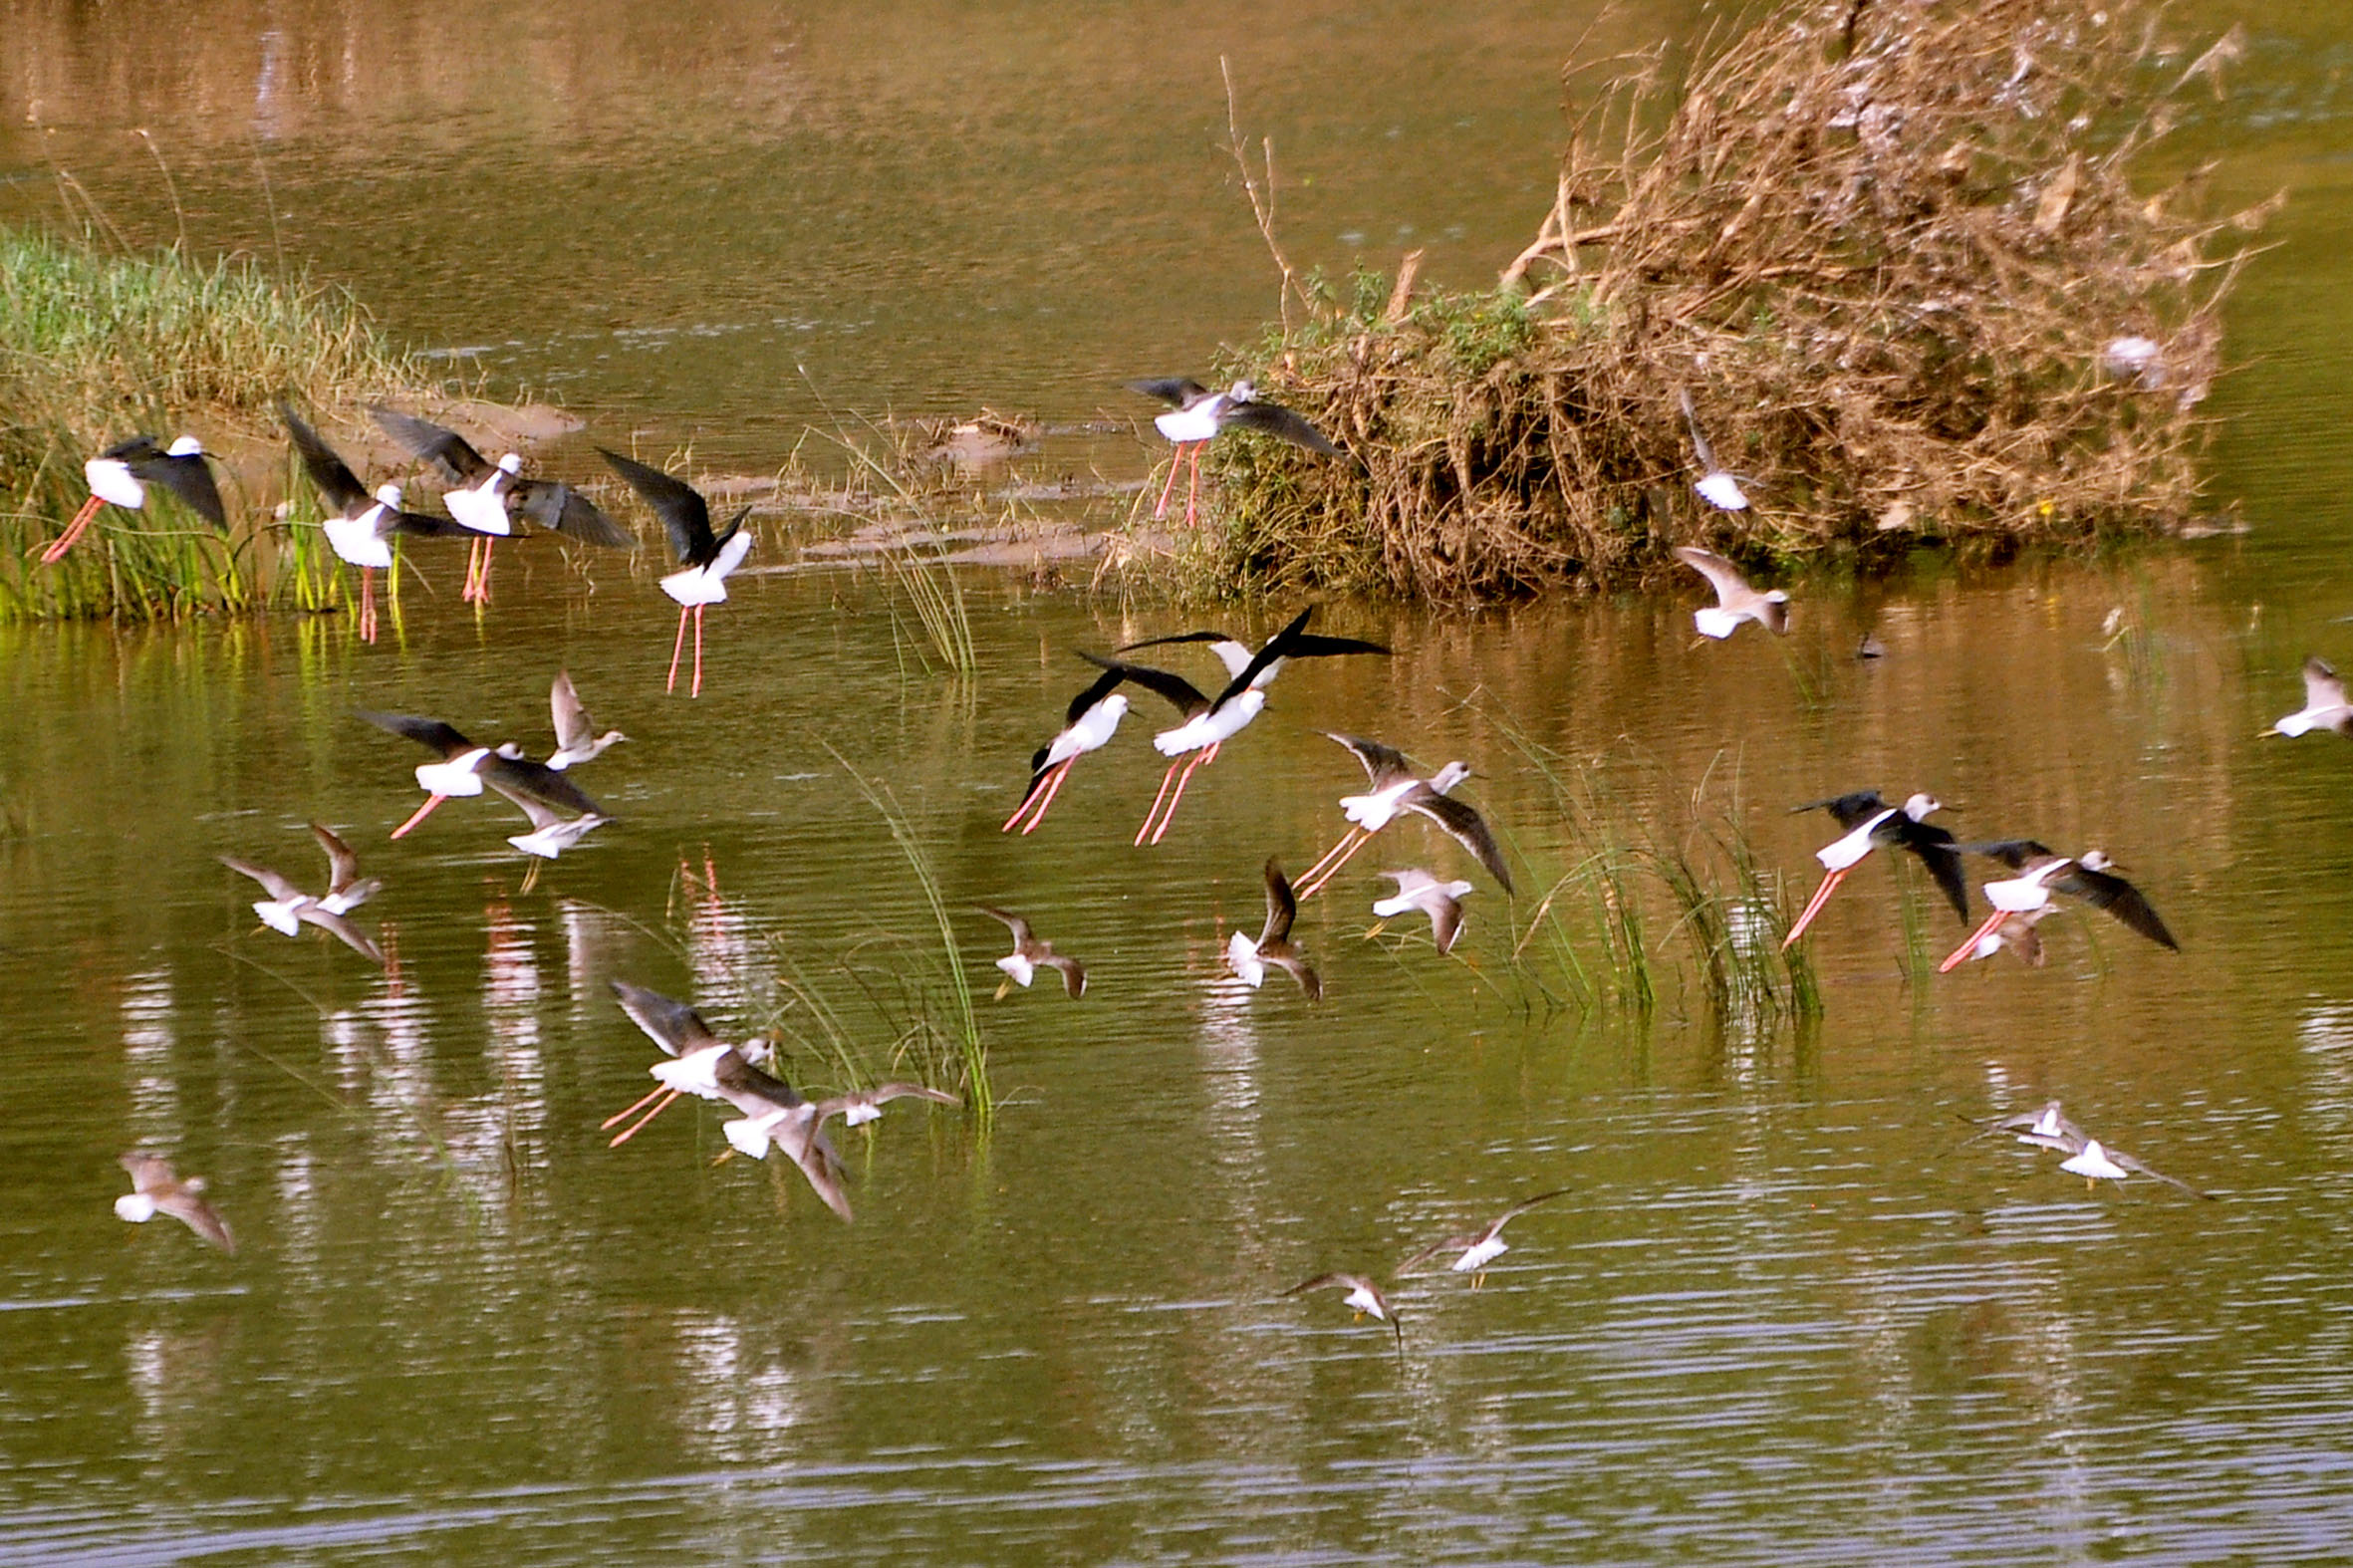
(485,501)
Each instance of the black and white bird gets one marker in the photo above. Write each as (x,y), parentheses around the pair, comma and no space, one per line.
(705,558)
(1092,719)
(1198,417)
(121,473)
(288,908)
(359,527)
(1031,953)
(490,498)
(1250,960)
(155,1190)
(466,768)
(1396,789)
(1208,722)
(2040,873)
(1872,823)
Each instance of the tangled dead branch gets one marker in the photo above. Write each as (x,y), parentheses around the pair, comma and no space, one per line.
(1893,250)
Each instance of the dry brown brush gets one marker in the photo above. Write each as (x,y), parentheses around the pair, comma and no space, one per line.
(1893,249)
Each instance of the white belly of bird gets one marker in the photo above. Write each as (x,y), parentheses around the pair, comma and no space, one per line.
(279,915)
(1723,491)
(698,585)
(1197,423)
(110,479)
(1841,853)
(1481,1255)
(755,1135)
(1375,811)
(1715,623)
(455,777)
(356,540)
(695,1073)
(136,1208)
(484,508)
(2095,1164)
(2018,895)
(1207,729)
(1241,954)
(1018,967)
(1362,1299)
(1092,732)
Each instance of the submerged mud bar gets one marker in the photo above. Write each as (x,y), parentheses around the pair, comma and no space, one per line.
(1890,253)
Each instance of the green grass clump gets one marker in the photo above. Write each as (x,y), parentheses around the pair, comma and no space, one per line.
(98,347)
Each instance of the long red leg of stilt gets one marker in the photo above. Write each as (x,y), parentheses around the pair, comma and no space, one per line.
(423,812)
(1333,870)
(473,568)
(1053,789)
(650,1095)
(65,541)
(628,1133)
(676,648)
(1152,815)
(1030,798)
(696,689)
(1814,905)
(1960,954)
(1175,461)
(1182,779)
(1324,870)
(482,588)
(1192,491)
(367,604)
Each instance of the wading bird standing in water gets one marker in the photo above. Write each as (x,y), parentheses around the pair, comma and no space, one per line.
(1201,415)
(121,473)
(708,557)
(359,527)
(487,497)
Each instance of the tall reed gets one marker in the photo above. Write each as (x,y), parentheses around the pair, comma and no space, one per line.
(96,347)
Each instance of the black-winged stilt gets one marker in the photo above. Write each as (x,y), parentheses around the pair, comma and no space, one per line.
(121,473)
(1872,823)
(1200,415)
(707,557)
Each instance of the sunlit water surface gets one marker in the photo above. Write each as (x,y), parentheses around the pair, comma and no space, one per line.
(1783,1316)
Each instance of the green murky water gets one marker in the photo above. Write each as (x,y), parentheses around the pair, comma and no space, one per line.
(1782,1318)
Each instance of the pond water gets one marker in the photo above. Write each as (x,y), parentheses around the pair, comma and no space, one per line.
(1784,1314)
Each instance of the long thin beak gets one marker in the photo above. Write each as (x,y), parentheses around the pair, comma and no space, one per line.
(1814,905)
(628,1133)
(423,812)
(1960,954)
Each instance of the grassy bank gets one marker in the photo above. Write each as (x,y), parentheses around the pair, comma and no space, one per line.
(1902,259)
(96,347)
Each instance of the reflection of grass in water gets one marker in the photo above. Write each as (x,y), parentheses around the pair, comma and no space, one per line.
(963,1029)
(94,347)
(1700,872)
